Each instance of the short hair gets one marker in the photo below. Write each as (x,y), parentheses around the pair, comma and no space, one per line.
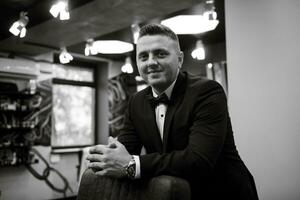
(157,29)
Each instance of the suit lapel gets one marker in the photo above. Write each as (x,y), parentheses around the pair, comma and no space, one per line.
(176,98)
(151,126)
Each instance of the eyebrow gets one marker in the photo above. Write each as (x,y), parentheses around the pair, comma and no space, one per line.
(155,51)
(141,53)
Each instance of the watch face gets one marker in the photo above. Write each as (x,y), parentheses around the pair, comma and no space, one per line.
(131,170)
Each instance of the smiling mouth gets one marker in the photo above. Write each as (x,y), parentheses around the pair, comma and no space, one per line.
(154,72)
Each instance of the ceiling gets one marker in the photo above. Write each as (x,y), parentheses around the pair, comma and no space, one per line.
(97,19)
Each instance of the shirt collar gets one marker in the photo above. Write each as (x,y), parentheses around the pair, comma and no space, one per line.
(168,91)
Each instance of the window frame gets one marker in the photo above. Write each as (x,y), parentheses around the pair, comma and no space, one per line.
(92,84)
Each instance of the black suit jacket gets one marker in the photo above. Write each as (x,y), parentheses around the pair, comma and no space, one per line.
(198,142)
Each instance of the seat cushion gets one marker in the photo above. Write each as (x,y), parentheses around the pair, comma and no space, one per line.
(94,187)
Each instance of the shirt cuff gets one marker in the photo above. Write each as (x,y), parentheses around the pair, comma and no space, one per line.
(137,167)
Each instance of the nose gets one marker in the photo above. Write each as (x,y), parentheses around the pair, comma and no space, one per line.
(151,61)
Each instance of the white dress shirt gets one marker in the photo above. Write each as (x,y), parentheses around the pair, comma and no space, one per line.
(160,114)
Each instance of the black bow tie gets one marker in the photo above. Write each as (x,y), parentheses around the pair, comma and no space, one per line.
(163,98)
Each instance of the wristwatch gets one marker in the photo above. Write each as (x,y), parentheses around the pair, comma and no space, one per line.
(130,169)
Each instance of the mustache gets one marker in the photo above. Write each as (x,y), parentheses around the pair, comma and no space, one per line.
(154,68)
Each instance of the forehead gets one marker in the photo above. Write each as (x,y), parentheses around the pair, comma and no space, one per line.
(152,42)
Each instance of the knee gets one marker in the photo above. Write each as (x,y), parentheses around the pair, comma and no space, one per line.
(170,186)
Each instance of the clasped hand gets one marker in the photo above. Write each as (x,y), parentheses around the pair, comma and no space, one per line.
(109,160)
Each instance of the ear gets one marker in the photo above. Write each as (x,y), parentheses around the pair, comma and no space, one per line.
(180,58)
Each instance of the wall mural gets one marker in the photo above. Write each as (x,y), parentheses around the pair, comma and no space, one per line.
(44,114)
(120,89)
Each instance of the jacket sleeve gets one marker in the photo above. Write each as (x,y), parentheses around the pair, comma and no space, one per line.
(206,138)
(128,136)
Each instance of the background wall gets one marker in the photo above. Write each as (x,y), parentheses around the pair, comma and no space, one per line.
(262,39)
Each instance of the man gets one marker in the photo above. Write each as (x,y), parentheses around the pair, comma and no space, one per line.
(186,129)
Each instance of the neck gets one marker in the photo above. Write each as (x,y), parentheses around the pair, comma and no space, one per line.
(162,88)
(168,90)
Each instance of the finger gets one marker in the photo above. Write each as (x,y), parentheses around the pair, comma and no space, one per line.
(98,149)
(95,157)
(95,166)
(112,145)
(111,142)
(118,144)
(103,172)
(99,165)
(111,139)
(111,172)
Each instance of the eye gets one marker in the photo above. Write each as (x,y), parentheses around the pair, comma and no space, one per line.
(143,57)
(162,54)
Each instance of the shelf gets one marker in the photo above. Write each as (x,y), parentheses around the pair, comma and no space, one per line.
(17,129)
(19,110)
(18,94)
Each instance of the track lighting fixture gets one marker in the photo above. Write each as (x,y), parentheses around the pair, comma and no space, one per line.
(210,14)
(135,28)
(199,52)
(127,67)
(19,27)
(90,48)
(61,8)
(64,56)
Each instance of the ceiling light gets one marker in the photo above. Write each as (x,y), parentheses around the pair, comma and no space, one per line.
(127,67)
(112,46)
(199,52)
(209,65)
(135,28)
(90,48)
(210,13)
(64,56)
(60,8)
(19,27)
(190,24)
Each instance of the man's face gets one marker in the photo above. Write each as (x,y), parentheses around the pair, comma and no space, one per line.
(158,60)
